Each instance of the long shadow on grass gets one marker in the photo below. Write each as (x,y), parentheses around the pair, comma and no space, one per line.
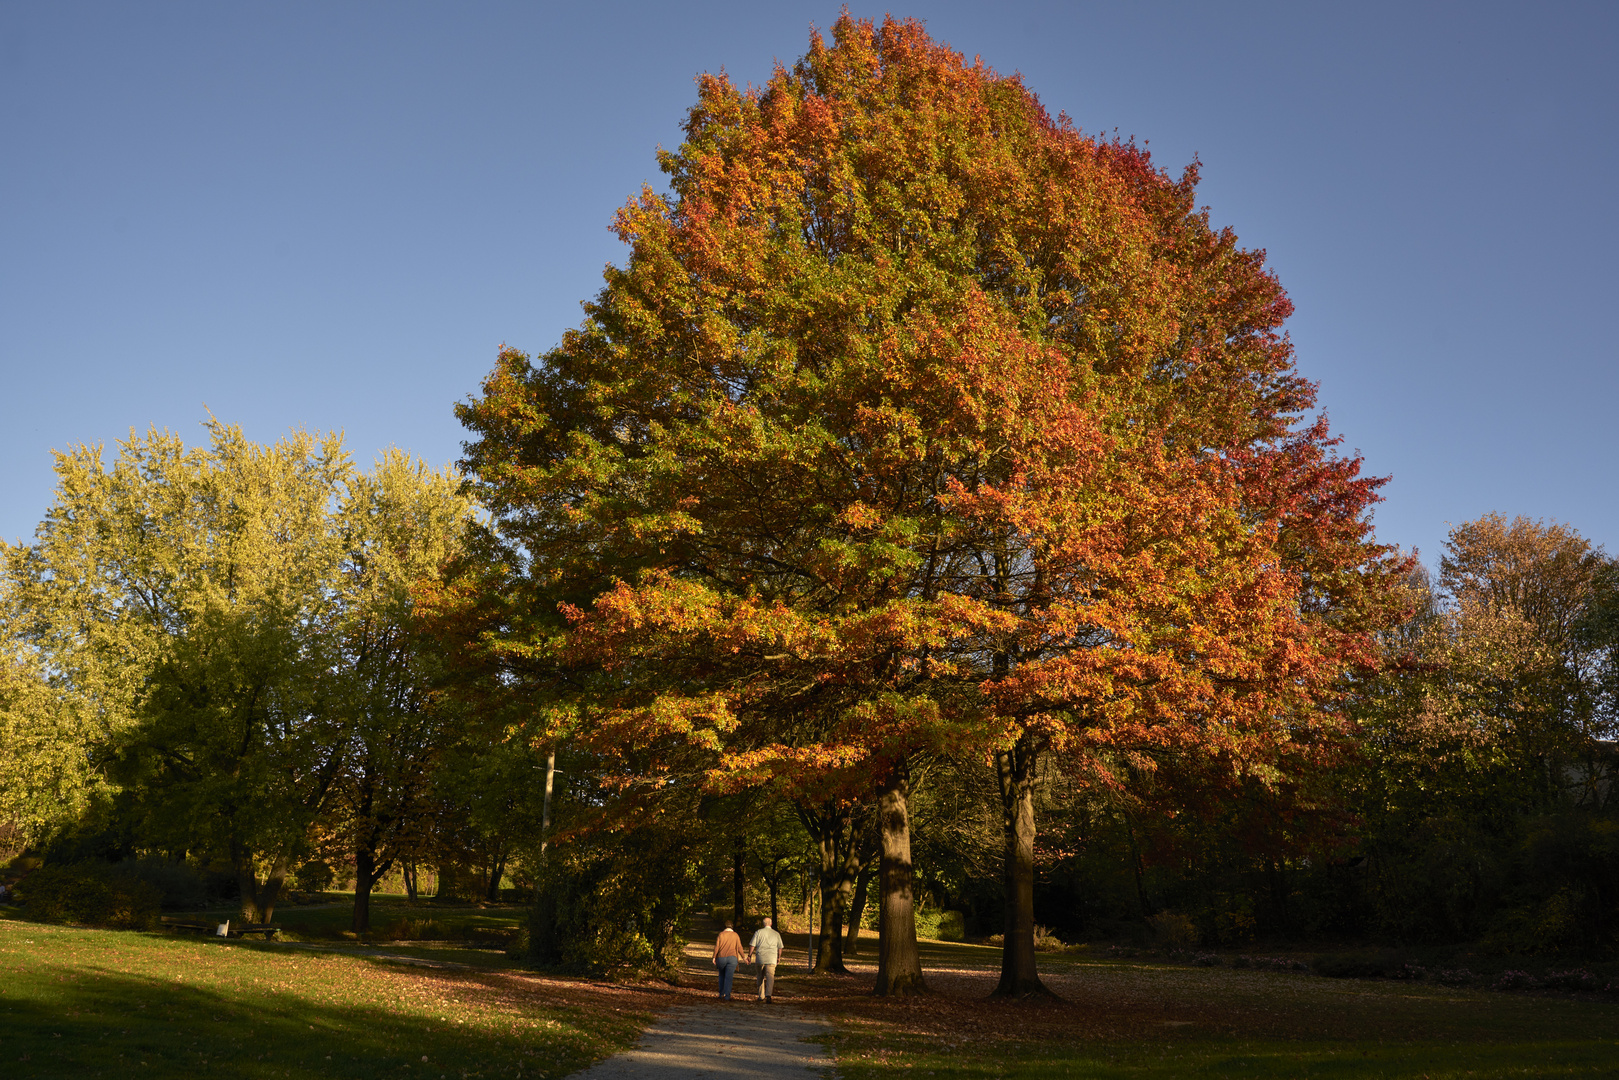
(103,1023)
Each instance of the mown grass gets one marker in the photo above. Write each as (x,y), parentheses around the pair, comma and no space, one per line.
(104,1003)
(1142,1019)
(99,1003)
(1236,1058)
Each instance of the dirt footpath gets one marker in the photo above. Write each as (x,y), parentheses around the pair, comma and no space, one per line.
(734,1039)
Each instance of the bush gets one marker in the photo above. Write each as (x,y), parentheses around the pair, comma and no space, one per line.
(1228,919)
(1555,925)
(941,925)
(1572,980)
(314,876)
(614,905)
(1516,980)
(1173,930)
(408,929)
(92,894)
(179,885)
(1046,941)
(725,913)
(1383,964)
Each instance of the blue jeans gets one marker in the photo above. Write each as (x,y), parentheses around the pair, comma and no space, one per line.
(727,966)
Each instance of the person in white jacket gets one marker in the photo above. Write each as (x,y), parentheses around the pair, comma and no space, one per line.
(765,949)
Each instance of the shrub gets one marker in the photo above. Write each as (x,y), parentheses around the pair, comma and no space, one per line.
(725,913)
(408,929)
(1046,941)
(314,876)
(1378,965)
(614,904)
(1554,925)
(179,885)
(1516,980)
(1173,930)
(1572,980)
(941,925)
(92,894)
(1228,919)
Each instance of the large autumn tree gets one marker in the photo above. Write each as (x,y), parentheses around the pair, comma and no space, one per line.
(918,419)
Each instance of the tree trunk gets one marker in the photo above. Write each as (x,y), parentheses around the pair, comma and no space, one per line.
(365,875)
(838,828)
(775,907)
(441,878)
(738,885)
(828,943)
(497,870)
(857,910)
(408,872)
(1135,866)
(1015,769)
(899,965)
(258,900)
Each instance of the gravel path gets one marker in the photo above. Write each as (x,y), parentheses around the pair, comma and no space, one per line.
(716,1041)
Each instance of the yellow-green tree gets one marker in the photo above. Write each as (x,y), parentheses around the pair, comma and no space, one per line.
(1482,732)
(404,523)
(204,624)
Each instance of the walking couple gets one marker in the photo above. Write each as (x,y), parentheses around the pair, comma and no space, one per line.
(765,949)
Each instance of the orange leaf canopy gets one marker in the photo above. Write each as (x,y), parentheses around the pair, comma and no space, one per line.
(919,418)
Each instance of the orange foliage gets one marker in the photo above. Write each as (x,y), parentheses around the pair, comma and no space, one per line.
(919,418)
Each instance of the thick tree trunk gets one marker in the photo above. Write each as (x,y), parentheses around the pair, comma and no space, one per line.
(857,910)
(829,943)
(408,872)
(837,828)
(1016,771)
(365,876)
(258,899)
(738,884)
(899,965)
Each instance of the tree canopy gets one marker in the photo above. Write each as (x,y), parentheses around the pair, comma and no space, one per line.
(916,418)
(210,638)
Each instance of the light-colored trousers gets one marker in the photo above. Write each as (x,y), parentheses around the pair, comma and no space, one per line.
(767,981)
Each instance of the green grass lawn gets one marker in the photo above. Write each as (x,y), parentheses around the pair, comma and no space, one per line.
(104,1003)
(1144,1019)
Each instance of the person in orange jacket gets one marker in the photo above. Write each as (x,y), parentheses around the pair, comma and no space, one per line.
(727,954)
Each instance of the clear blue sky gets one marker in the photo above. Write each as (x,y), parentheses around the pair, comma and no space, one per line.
(331,215)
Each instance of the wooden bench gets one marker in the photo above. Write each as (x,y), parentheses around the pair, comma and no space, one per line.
(193,927)
(223,929)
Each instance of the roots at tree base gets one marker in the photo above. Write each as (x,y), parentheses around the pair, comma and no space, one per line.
(1024,990)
